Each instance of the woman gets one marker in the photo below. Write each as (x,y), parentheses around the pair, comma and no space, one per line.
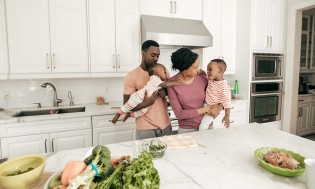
(187,99)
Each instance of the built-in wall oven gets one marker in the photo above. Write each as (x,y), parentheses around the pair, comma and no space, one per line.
(266,101)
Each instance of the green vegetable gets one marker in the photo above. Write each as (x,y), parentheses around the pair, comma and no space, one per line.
(18,172)
(137,174)
(100,157)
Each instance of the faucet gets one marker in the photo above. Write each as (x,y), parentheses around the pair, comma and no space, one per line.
(56,100)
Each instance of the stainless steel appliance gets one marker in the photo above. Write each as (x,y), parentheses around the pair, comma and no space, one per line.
(267,66)
(265,102)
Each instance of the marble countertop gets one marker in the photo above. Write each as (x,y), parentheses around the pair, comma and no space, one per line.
(224,159)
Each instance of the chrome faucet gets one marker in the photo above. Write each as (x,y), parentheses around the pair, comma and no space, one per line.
(56,100)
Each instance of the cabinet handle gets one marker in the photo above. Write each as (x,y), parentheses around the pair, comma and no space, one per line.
(171,3)
(270,41)
(301,100)
(175,6)
(118,60)
(301,112)
(222,57)
(113,60)
(52,145)
(47,61)
(53,61)
(46,145)
(267,44)
(231,121)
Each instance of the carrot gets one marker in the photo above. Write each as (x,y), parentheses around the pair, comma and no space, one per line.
(71,170)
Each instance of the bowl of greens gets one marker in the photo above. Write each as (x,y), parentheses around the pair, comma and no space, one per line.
(22,172)
(155,148)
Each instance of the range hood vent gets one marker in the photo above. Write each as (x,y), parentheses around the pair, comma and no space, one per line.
(175,32)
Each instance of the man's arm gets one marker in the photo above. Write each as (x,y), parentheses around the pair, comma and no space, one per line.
(146,102)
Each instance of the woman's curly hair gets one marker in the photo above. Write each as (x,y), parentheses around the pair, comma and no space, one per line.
(183,58)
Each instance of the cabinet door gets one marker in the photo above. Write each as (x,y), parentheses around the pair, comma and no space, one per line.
(115,134)
(68,31)
(70,140)
(3,42)
(102,35)
(28,36)
(228,34)
(187,9)
(276,25)
(259,25)
(303,119)
(312,118)
(22,145)
(156,8)
(127,35)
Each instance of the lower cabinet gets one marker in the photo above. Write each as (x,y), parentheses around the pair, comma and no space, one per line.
(105,132)
(238,115)
(51,136)
(306,115)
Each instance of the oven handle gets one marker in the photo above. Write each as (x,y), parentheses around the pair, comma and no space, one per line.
(266,94)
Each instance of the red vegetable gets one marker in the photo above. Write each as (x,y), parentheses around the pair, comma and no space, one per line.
(71,170)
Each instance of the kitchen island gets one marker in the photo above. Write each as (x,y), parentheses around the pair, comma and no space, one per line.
(224,159)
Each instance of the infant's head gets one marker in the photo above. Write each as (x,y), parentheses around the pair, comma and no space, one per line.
(216,69)
(159,70)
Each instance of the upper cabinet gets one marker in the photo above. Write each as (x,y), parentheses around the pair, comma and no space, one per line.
(3,44)
(267,25)
(47,36)
(220,19)
(307,57)
(187,9)
(114,36)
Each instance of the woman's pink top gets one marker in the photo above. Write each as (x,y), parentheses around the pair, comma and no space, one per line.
(185,99)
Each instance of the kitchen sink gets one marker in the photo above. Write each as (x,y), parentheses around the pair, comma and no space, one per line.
(49,111)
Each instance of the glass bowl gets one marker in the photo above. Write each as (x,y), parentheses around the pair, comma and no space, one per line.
(155,147)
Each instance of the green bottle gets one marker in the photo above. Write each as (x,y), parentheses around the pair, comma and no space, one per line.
(235,91)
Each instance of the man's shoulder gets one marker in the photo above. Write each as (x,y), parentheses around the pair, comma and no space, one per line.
(135,72)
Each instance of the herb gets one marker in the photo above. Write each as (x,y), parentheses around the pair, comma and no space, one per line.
(18,172)
(156,148)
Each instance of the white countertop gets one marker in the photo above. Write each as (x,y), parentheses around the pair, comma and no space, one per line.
(90,110)
(226,159)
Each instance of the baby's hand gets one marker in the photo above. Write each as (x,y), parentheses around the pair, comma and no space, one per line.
(226,121)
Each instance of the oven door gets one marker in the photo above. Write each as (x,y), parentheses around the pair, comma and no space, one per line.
(265,107)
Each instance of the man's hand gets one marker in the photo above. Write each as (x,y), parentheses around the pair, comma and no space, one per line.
(148,101)
(161,93)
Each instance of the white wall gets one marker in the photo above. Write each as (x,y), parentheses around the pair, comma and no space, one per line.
(23,93)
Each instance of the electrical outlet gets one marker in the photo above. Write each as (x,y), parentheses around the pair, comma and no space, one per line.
(6,95)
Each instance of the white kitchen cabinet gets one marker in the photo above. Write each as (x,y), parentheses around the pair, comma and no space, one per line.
(44,143)
(267,25)
(114,36)
(45,136)
(220,19)
(105,132)
(47,36)
(307,56)
(3,44)
(186,9)
(306,115)
(238,115)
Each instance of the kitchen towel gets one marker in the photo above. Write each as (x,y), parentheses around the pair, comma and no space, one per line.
(179,141)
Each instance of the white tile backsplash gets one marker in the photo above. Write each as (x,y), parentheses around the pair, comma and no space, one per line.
(23,93)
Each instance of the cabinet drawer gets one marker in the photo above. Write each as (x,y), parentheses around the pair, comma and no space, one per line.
(304,99)
(106,121)
(237,107)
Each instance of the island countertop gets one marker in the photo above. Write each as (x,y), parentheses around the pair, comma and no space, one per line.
(224,159)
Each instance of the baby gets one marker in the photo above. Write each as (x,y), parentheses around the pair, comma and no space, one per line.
(218,91)
(158,79)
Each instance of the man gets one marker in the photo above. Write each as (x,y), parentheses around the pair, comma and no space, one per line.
(156,121)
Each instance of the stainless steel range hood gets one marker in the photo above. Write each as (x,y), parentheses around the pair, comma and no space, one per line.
(175,32)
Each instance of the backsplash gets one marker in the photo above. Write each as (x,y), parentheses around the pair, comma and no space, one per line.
(23,93)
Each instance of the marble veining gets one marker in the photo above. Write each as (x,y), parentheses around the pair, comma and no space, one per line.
(225,159)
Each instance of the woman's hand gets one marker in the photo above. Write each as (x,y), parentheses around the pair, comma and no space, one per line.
(215,110)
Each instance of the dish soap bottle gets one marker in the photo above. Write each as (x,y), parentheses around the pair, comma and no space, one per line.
(235,91)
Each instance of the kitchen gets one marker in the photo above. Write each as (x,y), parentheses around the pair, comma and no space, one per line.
(88,78)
